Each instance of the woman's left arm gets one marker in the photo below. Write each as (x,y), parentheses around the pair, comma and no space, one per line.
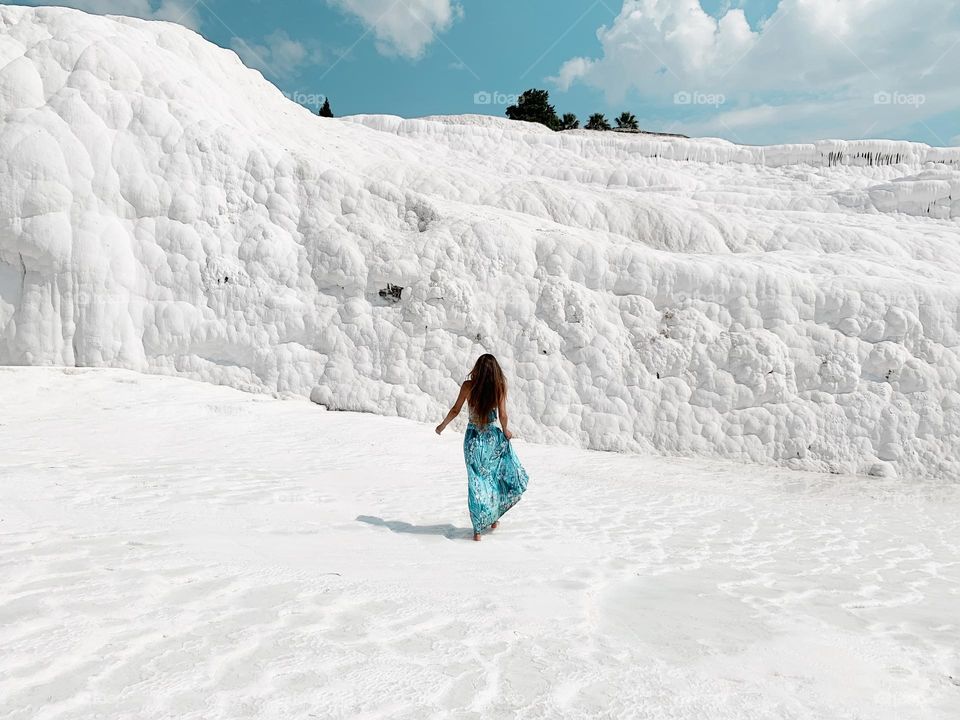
(455,410)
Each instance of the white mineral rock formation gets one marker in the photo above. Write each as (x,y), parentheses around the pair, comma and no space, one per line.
(165,209)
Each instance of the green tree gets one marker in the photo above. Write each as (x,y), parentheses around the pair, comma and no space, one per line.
(325,111)
(627,121)
(597,121)
(569,122)
(534,106)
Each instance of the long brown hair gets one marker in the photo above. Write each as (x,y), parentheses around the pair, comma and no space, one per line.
(487,387)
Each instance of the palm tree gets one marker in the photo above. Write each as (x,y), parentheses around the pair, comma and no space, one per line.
(627,121)
(569,122)
(597,121)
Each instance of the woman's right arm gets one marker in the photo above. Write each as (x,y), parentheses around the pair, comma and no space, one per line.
(502,414)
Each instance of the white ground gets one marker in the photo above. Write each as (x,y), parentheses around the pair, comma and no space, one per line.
(171,549)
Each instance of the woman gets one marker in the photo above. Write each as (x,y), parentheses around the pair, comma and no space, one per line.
(495,477)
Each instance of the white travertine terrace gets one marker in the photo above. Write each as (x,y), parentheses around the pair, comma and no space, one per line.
(165,209)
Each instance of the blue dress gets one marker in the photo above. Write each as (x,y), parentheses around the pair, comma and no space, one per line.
(495,477)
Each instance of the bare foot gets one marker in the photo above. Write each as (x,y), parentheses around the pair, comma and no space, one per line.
(476,536)
(495,525)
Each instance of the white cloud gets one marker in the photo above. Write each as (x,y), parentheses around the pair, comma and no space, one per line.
(403,27)
(838,117)
(821,62)
(573,70)
(178,11)
(277,55)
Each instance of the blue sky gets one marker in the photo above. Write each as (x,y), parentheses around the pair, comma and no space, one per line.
(756,71)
